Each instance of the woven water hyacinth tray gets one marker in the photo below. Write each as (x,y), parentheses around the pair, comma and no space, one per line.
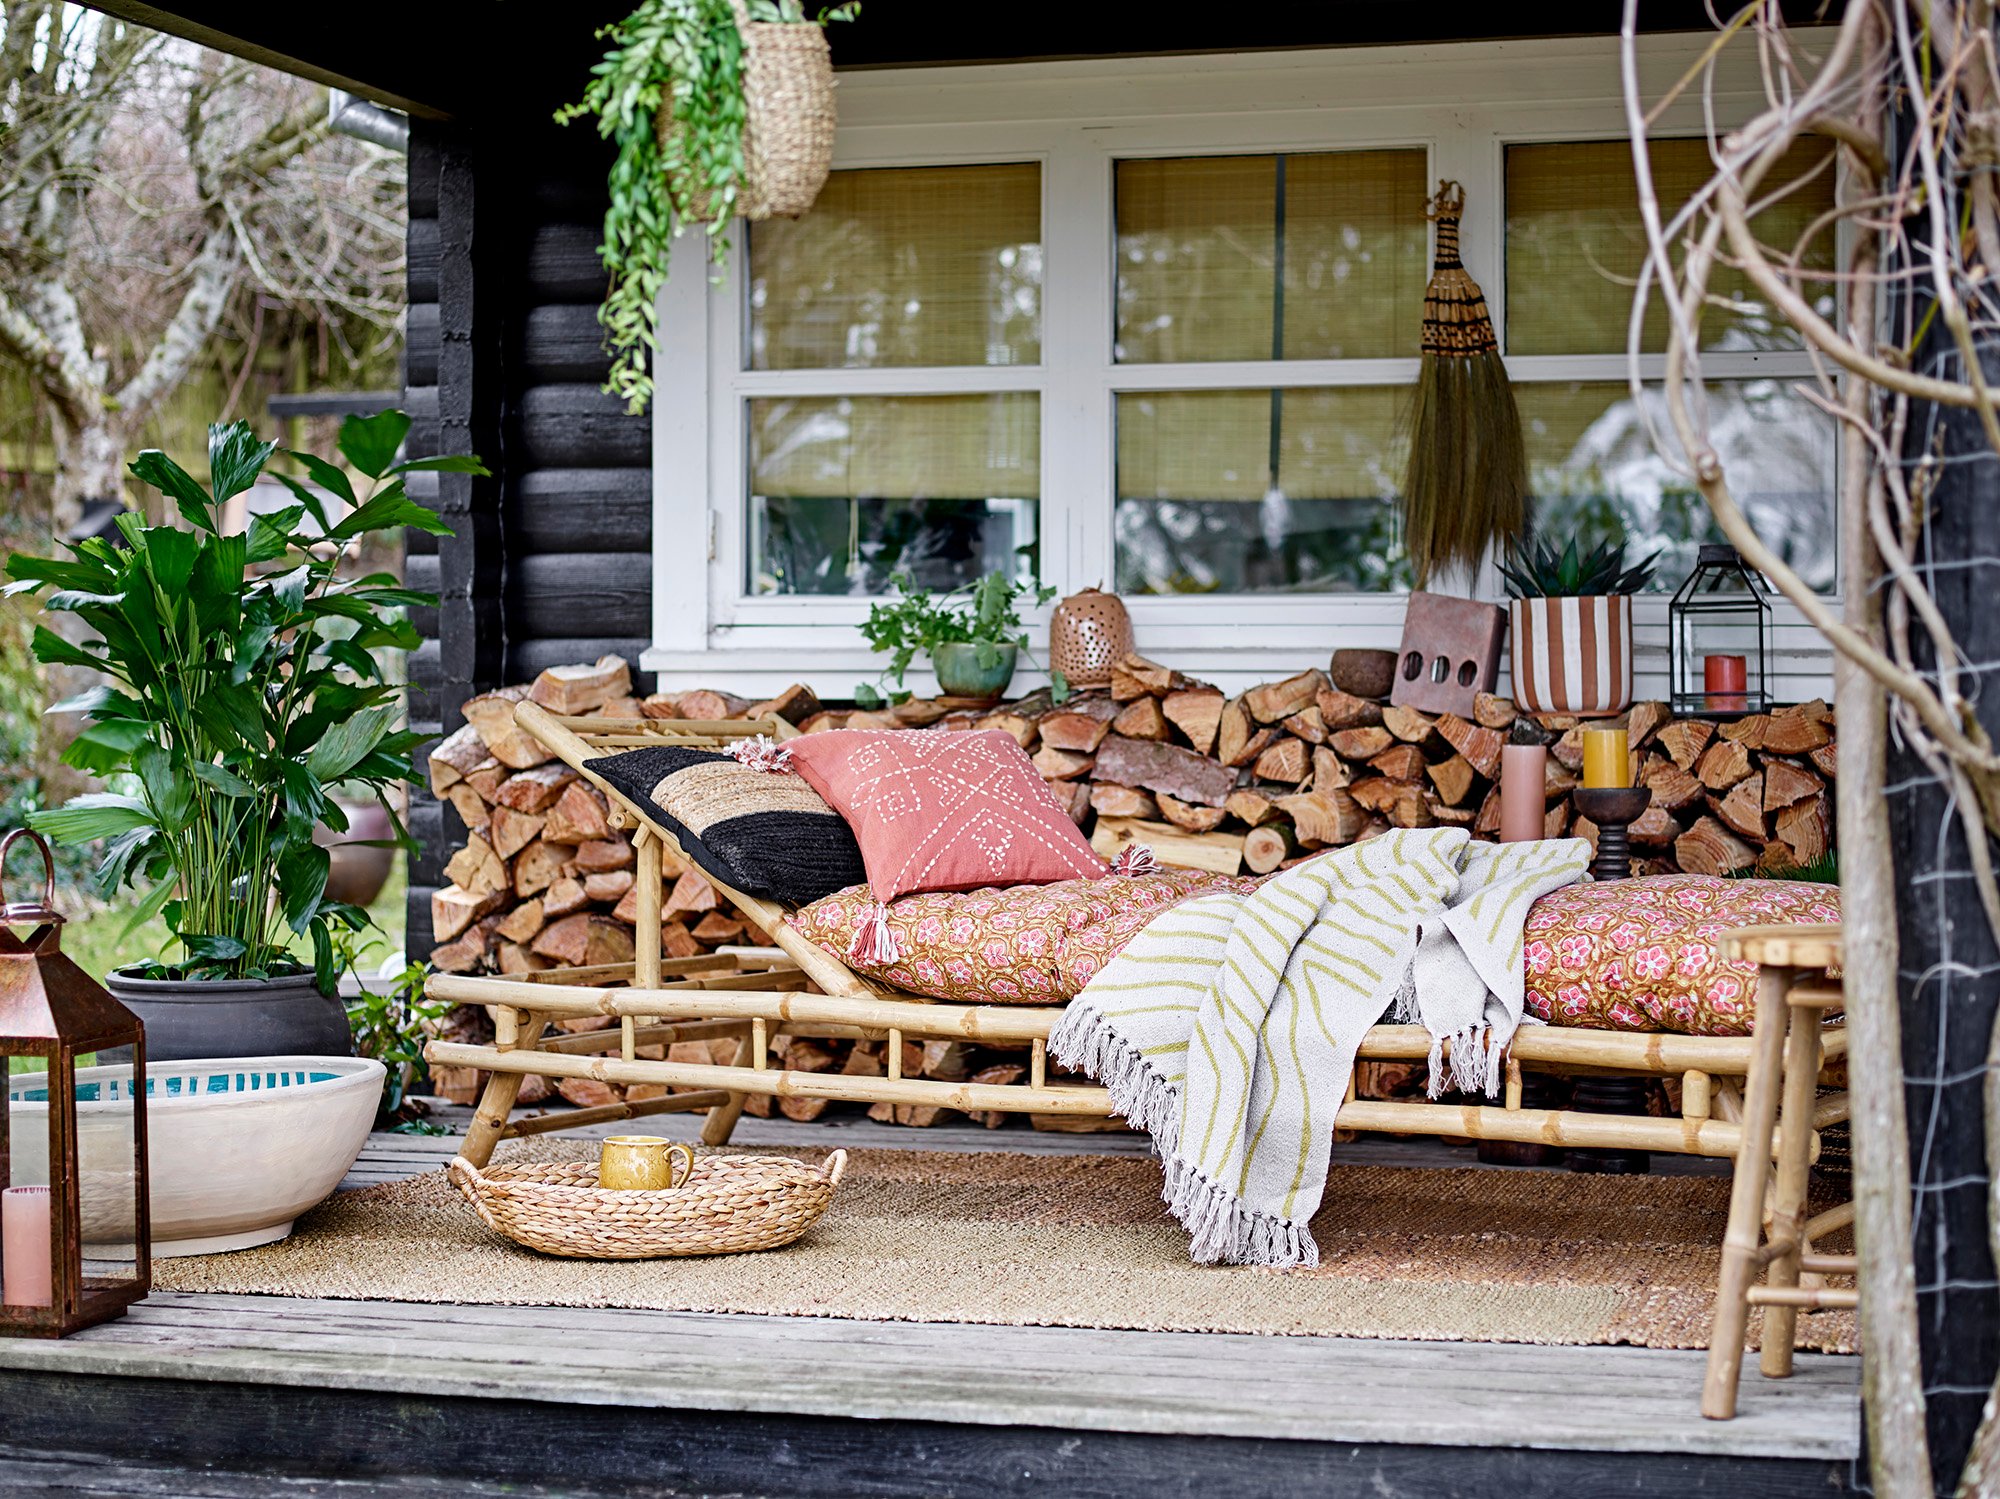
(727,1205)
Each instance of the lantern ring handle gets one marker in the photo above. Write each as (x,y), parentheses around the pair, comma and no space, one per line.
(12,912)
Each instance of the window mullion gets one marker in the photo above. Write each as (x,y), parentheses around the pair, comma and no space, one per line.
(1077,466)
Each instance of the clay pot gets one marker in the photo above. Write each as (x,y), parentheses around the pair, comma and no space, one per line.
(1573,656)
(358,872)
(960,672)
(1364,673)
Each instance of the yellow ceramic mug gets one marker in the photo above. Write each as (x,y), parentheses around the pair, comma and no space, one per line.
(643,1163)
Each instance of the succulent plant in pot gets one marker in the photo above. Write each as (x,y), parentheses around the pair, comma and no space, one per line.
(1571,613)
(242,678)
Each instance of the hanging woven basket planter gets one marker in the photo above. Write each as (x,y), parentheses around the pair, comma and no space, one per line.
(788,121)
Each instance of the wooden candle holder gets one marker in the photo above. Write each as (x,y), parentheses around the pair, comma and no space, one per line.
(1612,809)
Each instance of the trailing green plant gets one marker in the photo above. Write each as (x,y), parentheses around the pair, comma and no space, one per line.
(686,57)
(390,1022)
(987,616)
(1542,572)
(242,682)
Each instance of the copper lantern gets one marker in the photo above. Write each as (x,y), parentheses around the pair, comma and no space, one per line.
(74,1229)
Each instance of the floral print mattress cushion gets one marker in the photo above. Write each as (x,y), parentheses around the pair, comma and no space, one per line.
(1633,955)
(1023,944)
(1645,954)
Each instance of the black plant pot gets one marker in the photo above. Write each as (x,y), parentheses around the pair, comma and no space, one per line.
(187,1019)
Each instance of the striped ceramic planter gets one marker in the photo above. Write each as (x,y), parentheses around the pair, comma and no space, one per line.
(1573,655)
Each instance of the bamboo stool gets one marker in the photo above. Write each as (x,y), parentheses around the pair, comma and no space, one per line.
(1781,1114)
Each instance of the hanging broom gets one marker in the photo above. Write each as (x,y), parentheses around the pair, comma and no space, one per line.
(1467,482)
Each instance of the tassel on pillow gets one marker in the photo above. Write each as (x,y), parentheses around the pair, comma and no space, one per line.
(1136,859)
(762,753)
(874,944)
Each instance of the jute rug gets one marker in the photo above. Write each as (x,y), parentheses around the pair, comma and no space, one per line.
(1083,1241)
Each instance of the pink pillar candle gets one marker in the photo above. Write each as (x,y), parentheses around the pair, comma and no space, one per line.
(1725,680)
(27,1271)
(1524,773)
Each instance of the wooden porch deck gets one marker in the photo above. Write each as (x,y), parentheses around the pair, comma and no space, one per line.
(390,1396)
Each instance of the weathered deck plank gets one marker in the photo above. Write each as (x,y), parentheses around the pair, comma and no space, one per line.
(1324,1389)
(1097,1412)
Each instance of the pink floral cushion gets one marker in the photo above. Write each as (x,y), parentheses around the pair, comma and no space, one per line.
(1029,944)
(1642,955)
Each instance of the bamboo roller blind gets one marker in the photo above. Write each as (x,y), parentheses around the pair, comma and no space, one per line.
(1575,245)
(1334,444)
(905,266)
(1201,239)
(972,447)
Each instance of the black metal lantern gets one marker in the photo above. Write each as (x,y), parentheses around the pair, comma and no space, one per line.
(75,1236)
(1720,635)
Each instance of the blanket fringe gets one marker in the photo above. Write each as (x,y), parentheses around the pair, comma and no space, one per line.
(1221,1227)
(1476,1065)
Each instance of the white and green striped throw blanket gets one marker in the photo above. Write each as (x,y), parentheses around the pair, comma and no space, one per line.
(1227,1028)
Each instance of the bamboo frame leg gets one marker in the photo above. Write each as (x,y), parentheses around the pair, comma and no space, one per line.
(496,1099)
(1788,1207)
(1743,1238)
(721,1121)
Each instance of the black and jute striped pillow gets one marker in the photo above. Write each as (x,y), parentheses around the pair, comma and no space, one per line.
(761,832)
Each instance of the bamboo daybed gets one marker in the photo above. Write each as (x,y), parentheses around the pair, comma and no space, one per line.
(810,992)
(1730,1085)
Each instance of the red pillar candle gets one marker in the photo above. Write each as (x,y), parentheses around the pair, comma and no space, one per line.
(1726,681)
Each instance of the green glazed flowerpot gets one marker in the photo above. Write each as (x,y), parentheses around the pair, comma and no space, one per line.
(960,674)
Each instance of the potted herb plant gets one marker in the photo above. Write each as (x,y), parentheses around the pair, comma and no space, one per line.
(973,642)
(718,109)
(242,682)
(1572,621)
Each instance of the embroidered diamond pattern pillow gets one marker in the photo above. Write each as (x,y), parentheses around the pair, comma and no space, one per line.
(940,810)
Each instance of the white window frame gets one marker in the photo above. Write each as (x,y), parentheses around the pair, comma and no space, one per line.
(706,629)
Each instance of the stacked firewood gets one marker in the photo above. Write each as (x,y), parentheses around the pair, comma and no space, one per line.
(1244,783)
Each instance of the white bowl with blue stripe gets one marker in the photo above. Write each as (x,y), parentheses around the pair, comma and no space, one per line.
(238,1147)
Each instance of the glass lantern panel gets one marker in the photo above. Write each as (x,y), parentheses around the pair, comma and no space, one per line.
(108,1173)
(27,1237)
(1722,634)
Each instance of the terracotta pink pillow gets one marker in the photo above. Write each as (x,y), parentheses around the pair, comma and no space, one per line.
(938,810)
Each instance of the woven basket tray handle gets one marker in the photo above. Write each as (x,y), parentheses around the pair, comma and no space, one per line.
(833,1166)
(466,1177)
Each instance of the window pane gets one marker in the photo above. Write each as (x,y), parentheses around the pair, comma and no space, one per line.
(1595,476)
(903,266)
(1198,511)
(1575,245)
(843,492)
(1201,241)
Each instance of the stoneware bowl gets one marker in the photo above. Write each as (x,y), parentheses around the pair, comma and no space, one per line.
(237,1149)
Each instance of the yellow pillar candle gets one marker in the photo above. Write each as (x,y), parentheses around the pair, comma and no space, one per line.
(1605,759)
